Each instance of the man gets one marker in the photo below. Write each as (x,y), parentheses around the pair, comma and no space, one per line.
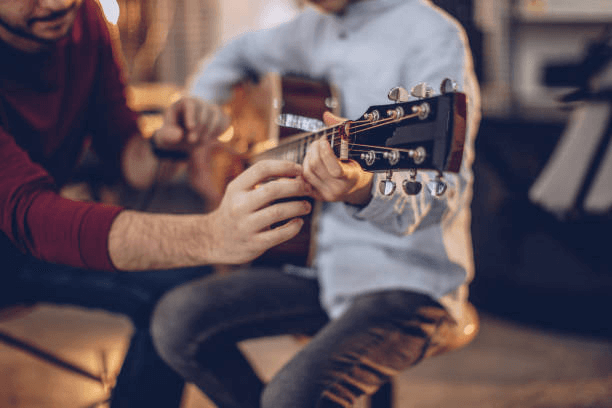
(390,272)
(60,90)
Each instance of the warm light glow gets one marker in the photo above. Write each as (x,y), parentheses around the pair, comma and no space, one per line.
(111,10)
(227,136)
(469,329)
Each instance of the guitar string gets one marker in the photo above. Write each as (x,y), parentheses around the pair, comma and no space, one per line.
(286,153)
(358,126)
(355,148)
(355,128)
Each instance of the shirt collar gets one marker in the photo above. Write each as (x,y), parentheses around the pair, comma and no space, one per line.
(374,6)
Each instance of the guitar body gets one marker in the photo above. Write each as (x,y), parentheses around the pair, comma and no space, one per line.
(255,109)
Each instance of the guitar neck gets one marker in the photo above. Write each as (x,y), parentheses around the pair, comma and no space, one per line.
(408,137)
(294,148)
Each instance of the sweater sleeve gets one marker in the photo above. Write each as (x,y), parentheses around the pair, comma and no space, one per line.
(37,220)
(41,223)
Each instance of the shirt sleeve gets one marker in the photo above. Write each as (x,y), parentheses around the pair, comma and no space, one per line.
(445,54)
(283,48)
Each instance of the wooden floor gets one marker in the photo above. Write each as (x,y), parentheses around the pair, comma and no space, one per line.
(508,366)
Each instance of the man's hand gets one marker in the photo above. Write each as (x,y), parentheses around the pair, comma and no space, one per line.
(332,179)
(188,123)
(238,231)
(241,225)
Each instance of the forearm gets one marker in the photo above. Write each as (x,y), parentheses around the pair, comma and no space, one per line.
(143,241)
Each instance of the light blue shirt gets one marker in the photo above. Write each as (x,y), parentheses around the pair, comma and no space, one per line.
(421,242)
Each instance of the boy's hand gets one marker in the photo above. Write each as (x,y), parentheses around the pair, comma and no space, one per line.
(331,178)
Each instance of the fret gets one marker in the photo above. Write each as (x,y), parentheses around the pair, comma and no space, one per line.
(344,148)
(310,139)
(302,151)
(292,155)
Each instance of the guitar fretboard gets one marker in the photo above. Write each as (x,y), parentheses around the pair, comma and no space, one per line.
(294,148)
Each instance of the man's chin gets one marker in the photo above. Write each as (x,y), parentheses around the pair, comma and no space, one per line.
(48,33)
(50,38)
(32,40)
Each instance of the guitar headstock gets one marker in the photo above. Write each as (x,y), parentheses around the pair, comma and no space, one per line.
(426,133)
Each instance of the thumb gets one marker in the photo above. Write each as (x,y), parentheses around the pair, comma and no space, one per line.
(167,135)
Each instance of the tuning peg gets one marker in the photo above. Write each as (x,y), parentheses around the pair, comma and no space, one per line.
(368,157)
(372,116)
(411,186)
(387,186)
(437,187)
(392,156)
(398,94)
(448,86)
(422,90)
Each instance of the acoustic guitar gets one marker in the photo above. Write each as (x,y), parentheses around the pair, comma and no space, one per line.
(269,118)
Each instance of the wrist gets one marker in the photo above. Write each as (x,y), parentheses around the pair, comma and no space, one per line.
(361,194)
(166,154)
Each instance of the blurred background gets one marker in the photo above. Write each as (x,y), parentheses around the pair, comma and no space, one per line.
(543,278)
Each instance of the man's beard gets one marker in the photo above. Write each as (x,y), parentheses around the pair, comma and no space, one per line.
(22,33)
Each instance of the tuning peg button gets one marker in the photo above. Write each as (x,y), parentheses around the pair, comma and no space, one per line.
(437,187)
(412,187)
(422,90)
(386,187)
(398,94)
(448,86)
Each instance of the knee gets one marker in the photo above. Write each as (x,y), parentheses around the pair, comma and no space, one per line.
(276,395)
(177,326)
(168,329)
(299,383)
(269,396)
(298,392)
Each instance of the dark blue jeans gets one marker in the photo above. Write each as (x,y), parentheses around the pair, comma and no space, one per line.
(145,380)
(196,328)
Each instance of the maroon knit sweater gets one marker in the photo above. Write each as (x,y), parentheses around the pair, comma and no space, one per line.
(51,104)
